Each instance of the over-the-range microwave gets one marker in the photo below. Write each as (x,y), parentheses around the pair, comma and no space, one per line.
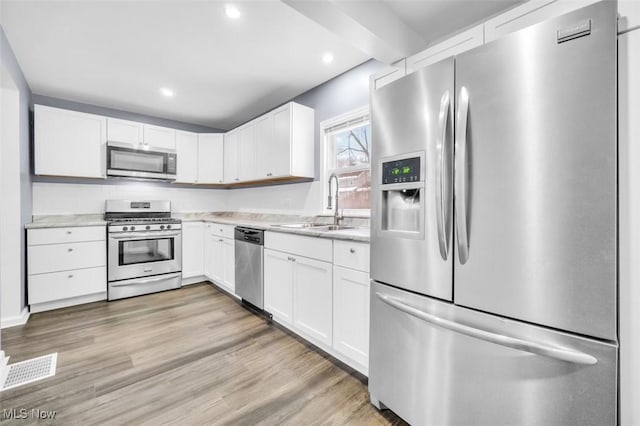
(141,161)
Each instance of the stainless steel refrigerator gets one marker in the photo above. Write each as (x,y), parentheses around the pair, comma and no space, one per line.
(493,240)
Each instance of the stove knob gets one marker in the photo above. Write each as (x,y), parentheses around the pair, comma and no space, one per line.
(124,228)
(161,227)
(133,228)
(168,226)
(147,227)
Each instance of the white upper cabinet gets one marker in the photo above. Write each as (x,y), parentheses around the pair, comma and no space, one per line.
(132,132)
(293,142)
(69,143)
(210,158)
(527,14)
(187,153)
(276,145)
(457,44)
(264,146)
(247,152)
(395,71)
(231,170)
(159,137)
(124,131)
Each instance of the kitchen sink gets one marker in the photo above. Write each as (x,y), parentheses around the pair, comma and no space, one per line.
(314,227)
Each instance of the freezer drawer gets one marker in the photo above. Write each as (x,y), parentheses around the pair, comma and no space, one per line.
(434,363)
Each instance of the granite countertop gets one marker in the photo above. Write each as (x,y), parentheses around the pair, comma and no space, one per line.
(66,220)
(263,221)
(269,222)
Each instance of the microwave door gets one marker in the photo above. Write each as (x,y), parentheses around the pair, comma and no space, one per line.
(138,163)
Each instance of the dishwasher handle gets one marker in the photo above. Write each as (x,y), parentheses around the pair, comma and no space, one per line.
(249,235)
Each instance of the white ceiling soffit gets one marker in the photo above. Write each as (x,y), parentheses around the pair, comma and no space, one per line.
(389,30)
(118,54)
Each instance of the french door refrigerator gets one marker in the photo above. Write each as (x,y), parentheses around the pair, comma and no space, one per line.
(493,241)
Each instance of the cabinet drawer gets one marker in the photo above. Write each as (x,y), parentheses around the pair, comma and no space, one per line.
(351,255)
(315,248)
(63,285)
(66,235)
(64,257)
(221,229)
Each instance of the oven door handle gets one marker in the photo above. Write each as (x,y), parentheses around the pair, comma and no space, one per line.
(144,280)
(142,235)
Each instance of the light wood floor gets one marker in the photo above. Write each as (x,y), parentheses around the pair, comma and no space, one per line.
(189,357)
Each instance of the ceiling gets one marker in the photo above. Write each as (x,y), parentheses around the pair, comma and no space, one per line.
(118,54)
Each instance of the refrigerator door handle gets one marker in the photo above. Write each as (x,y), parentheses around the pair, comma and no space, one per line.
(537,348)
(461,186)
(443,183)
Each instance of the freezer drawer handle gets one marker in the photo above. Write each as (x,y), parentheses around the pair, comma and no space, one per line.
(443,184)
(499,339)
(461,187)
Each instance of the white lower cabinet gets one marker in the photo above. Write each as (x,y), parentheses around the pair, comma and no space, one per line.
(312,298)
(192,249)
(66,266)
(351,314)
(219,256)
(278,285)
(324,299)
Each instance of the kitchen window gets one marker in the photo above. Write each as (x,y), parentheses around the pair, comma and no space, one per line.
(347,153)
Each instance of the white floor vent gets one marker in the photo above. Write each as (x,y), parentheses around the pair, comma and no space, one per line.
(29,371)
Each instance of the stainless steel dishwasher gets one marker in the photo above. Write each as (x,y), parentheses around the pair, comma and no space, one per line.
(249,248)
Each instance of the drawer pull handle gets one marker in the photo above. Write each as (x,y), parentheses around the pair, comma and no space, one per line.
(68,232)
(70,275)
(221,240)
(352,250)
(69,250)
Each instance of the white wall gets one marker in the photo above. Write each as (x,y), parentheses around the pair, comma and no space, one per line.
(73,198)
(300,198)
(11,293)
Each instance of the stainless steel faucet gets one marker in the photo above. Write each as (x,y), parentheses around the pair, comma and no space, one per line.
(337,216)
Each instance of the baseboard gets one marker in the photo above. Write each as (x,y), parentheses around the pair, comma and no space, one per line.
(72,301)
(4,361)
(194,280)
(15,321)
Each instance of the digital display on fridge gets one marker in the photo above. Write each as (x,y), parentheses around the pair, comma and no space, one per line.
(401,171)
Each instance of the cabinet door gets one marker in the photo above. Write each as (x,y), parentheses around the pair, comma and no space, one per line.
(159,137)
(388,75)
(124,131)
(210,158)
(278,285)
(209,239)
(187,152)
(351,314)
(229,267)
(69,143)
(312,298)
(455,45)
(192,249)
(217,260)
(264,146)
(280,158)
(247,153)
(527,14)
(230,169)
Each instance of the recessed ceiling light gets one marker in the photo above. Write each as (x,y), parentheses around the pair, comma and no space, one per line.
(166,92)
(232,11)
(327,58)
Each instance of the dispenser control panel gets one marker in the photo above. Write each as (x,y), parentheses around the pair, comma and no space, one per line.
(401,171)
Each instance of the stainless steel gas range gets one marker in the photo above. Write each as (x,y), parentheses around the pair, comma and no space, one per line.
(144,248)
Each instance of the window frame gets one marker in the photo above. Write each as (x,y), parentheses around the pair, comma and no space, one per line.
(325,172)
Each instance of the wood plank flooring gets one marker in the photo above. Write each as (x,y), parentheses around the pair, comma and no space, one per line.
(192,356)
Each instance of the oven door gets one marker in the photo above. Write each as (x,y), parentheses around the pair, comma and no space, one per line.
(142,254)
(126,160)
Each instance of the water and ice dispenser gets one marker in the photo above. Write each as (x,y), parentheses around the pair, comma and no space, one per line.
(402,195)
